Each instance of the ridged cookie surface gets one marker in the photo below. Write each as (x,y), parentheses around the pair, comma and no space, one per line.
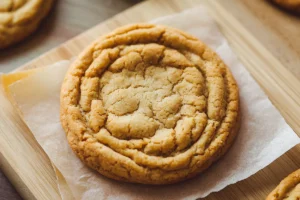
(19,18)
(149,104)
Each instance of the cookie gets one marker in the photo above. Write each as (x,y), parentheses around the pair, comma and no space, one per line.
(149,104)
(19,18)
(293,5)
(288,188)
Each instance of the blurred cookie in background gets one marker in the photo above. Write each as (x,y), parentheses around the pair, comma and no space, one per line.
(292,5)
(20,18)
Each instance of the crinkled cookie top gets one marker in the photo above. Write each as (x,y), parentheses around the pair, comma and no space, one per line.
(149,104)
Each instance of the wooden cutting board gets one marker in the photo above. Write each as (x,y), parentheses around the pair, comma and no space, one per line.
(262,36)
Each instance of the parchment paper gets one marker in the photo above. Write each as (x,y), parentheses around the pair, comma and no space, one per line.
(263,136)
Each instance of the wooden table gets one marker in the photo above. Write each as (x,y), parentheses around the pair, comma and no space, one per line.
(68,19)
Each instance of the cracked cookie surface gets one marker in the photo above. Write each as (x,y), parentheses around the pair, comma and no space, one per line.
(19,18)
(149,104)
(288,189)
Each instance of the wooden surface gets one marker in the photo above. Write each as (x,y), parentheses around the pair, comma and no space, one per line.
(254,30)
(67,19)
(276,29)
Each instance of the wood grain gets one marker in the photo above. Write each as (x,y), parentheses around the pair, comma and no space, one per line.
(247,32)
(284,41)
(25,164)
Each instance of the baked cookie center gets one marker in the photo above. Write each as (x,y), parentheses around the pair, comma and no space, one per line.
(141,102)
(141,98)
(151,94)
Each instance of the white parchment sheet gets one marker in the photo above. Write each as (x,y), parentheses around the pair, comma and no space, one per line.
(263,136)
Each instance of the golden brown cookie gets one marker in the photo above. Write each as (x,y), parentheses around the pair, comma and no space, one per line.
(19,18)
(149,104)
(288,188)
(293,5)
